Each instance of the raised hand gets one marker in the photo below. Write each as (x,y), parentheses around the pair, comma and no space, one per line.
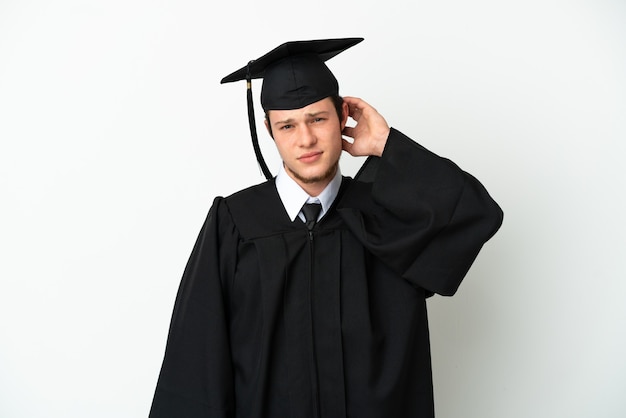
(370,132)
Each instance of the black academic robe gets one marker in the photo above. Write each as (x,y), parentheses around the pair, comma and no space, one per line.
(273,321)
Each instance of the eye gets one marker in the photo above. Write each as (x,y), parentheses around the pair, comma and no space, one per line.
(316,120)
(285,127)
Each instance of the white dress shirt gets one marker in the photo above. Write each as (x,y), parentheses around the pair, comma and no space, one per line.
(293,197)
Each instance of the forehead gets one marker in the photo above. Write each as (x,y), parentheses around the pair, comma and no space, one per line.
(324,105)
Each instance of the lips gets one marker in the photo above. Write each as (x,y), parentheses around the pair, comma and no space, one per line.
(310,157)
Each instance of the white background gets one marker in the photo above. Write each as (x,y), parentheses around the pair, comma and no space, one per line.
(115,135)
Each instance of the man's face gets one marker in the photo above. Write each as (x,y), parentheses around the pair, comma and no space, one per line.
(309,142)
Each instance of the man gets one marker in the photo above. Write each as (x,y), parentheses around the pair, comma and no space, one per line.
(305,296)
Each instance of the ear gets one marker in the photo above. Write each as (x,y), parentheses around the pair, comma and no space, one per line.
(345,111)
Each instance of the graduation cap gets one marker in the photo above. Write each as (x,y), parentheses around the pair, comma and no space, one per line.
(294,75)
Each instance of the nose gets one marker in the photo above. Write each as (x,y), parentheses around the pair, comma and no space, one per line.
(307,136)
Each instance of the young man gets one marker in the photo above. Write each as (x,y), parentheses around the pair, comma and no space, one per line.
(305,296)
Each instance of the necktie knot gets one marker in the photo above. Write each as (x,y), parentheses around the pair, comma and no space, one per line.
(311,211)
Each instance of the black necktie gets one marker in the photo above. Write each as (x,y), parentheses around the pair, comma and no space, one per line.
(311,211)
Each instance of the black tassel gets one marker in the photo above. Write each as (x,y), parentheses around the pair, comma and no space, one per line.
(255,139)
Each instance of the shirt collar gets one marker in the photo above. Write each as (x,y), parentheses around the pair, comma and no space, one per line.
(293,197)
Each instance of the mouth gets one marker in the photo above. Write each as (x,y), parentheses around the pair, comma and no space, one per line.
(310,157)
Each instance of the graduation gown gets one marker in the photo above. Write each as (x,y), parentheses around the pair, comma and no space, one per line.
(273,321)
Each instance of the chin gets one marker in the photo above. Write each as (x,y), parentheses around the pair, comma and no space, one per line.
(315,176)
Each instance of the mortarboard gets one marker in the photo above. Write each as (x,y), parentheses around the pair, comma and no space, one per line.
(294,75)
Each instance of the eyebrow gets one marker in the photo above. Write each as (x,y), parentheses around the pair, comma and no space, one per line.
(309,115)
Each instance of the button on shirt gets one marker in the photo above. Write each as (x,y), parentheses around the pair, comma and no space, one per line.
(293,197)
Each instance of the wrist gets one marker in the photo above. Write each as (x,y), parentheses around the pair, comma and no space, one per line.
(380,144)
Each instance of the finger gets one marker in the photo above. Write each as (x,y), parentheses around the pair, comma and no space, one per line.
(352,100)
(346,146)
(348,131)
(354,105)
(359,107)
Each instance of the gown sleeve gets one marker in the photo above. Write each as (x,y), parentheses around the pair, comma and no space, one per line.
(420,214)
(196,378)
